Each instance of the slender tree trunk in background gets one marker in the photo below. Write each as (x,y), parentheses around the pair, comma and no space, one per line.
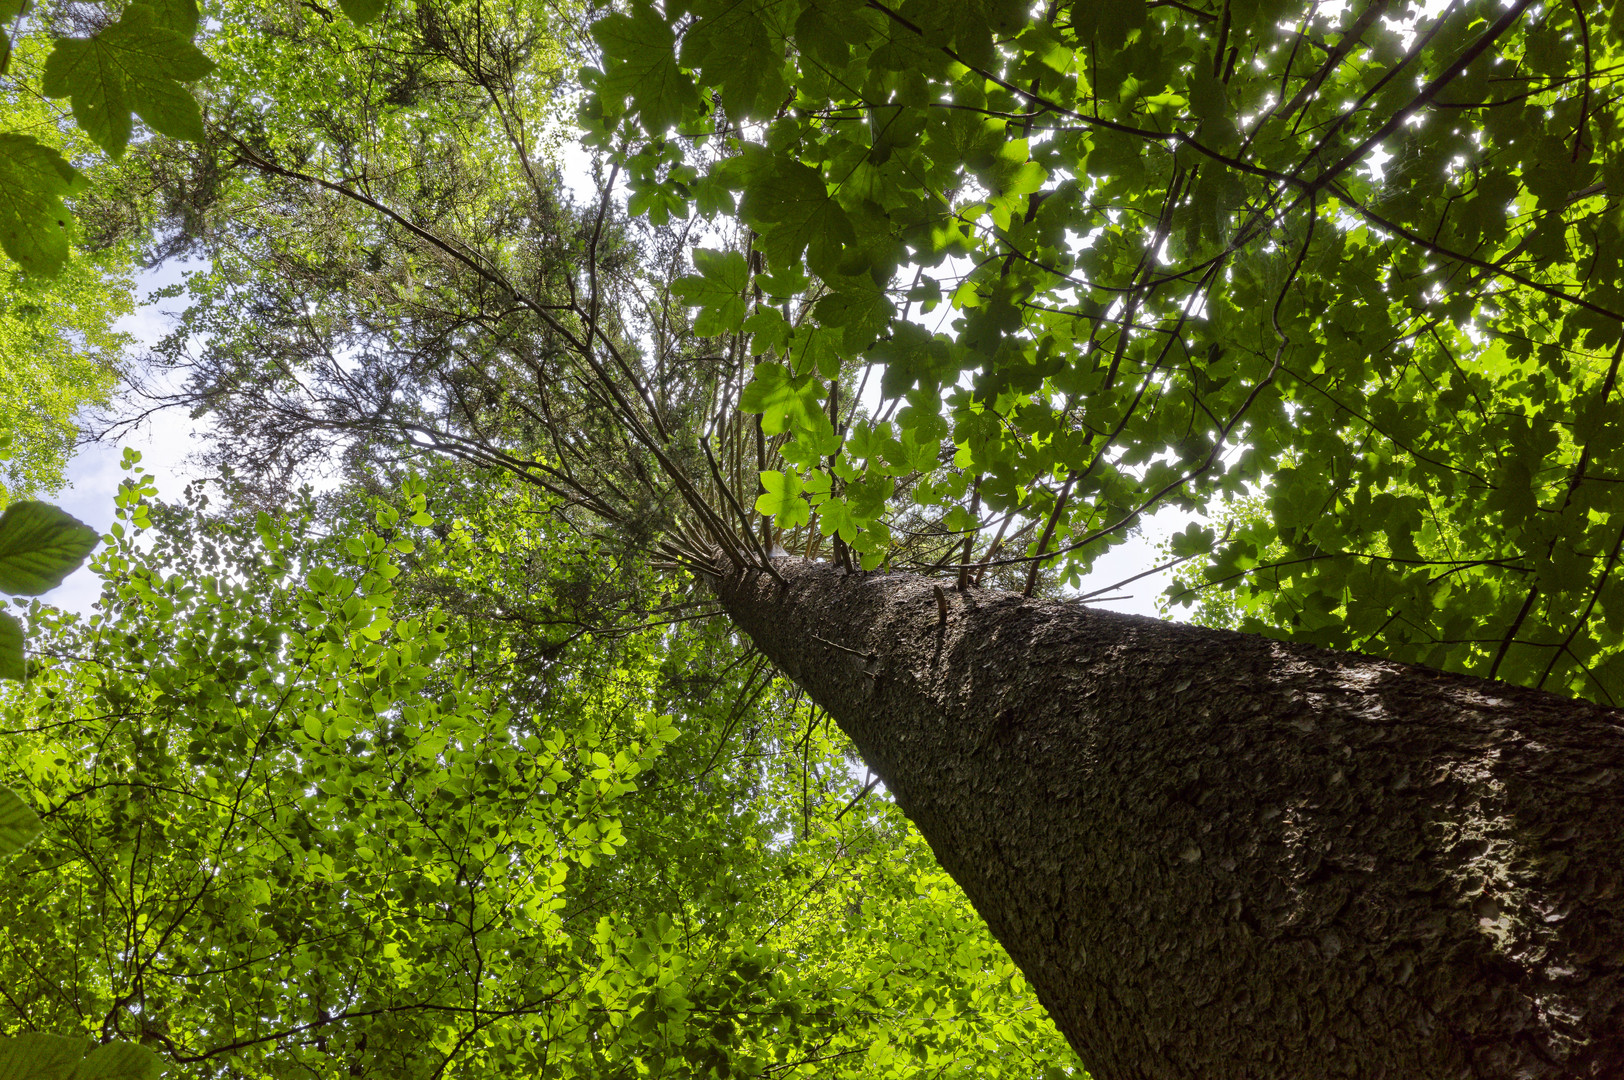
(1218,856)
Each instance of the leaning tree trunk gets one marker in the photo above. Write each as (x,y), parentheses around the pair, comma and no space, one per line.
(1218,856)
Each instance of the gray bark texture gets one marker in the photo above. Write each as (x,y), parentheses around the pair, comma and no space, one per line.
(1217,856)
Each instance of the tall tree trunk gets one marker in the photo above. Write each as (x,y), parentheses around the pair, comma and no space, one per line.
(1218,856)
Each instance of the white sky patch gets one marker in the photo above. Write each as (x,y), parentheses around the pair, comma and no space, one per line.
(166,442)
(575,166)
(1375,163)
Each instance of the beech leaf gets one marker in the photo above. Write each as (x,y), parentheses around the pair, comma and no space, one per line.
(11,648)
(37,1056)
(39,546)
(119,1061)
(362,11)
(18,827)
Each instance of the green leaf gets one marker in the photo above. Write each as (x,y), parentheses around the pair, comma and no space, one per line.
(34,223)
(12,665)
(120,1061)
(362,12)
(826,28)
(731,43)
(768,330)
(783,502)
(790,205)
(39,546)
(136,65)
(1110,22)
(9,10)
(37,1056)
(1011,172)
(815,349)
(1207,98)
(835,516)
(718,291)
(860,308)
(177,15)
(18,827)
(773,394)
(1194,540)
(640,65)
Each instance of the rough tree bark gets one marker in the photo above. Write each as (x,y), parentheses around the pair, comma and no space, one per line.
(1219,856)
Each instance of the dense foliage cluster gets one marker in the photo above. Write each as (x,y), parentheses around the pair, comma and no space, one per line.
(376,802)
(1123,256)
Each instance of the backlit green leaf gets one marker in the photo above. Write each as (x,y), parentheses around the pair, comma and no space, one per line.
(137,65)
(773,394)
(12,661)
(782,501)
(793,209)
(119,1061)
(38,1056)
(177,15)
(39,546)
(642,68)
(718,291)
(362,11)
(18,827)
(34,223)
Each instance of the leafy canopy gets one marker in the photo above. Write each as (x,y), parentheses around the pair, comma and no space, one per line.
(136,65)
(62,356)
(1105,259)
(372,803)
(1361,272)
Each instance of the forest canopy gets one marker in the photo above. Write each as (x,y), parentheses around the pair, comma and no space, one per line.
(457,767)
